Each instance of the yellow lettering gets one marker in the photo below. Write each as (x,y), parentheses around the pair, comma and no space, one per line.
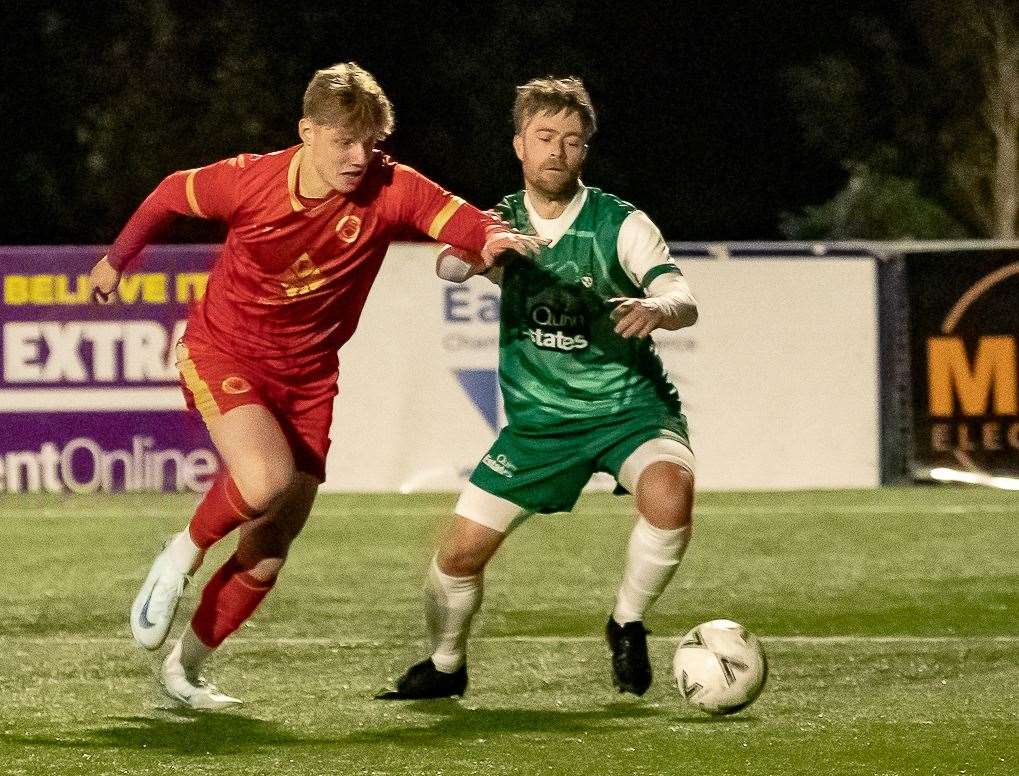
(65,295)
(40,289)
(302,277)
(15,289)
(130,288)
(965,443)
(191,285)
(950,376)
(154,287)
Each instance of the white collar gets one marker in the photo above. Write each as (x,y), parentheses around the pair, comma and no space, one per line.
(554,228)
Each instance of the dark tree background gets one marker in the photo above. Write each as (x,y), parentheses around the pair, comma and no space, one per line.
(705,120)
(925,119)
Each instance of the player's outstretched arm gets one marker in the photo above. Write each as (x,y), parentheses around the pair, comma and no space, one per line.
(426,206)
(205,192)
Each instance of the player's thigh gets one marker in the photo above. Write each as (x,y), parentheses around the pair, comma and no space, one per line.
(537,473)
(233,401)
(655,463)
(306,424)
(255,451)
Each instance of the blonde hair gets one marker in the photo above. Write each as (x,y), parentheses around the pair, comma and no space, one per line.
(349,95)
(553,95)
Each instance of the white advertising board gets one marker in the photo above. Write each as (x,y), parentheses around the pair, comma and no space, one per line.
(779,378)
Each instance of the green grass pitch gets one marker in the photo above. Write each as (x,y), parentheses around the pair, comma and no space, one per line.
(890,617)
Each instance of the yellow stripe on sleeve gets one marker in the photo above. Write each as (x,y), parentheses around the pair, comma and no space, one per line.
(189,187)
(205,402)
(443,216)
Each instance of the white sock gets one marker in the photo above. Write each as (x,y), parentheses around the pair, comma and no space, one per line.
(193,653)
(450,603)
(651,559)
(185,554)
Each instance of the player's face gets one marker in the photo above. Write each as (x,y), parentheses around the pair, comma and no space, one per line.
(551,150)
(338,155)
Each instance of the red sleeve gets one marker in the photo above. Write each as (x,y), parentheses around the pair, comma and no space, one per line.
(429,209)
(205,192)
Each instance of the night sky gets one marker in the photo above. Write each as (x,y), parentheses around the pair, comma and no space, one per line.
(696,125)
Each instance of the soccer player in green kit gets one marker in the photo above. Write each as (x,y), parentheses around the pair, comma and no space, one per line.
(583,388)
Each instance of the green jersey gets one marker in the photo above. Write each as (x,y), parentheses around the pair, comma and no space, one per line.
(560,361)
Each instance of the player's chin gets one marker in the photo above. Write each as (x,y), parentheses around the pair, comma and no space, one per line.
(558,182)
(345,184)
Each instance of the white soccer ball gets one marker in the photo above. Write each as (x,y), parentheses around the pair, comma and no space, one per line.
(720,667)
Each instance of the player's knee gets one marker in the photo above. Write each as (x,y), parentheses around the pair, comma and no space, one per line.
(263,483)
(665,495)
(462,561)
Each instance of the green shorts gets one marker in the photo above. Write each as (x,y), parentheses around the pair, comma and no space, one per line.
(545,472)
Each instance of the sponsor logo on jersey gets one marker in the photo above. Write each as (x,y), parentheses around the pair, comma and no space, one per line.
(500,465)
(301,277)
(559,329)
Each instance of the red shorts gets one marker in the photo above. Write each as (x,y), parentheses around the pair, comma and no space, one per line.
(215,382)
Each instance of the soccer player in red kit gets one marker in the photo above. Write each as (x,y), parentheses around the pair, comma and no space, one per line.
(308,229)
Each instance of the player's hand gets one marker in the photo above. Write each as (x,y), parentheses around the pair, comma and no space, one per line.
(502,239)
(635,317)
(104,280)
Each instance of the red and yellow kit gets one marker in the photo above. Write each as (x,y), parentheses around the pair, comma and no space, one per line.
(289,286)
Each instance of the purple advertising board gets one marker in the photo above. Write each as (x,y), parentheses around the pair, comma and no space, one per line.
(89,393)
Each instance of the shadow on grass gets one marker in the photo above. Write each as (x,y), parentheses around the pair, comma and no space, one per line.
(189,733)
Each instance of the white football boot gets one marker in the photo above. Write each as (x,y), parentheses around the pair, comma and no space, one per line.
(193,691)
(156,603)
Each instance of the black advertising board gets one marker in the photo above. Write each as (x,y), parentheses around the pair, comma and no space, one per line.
(963,328)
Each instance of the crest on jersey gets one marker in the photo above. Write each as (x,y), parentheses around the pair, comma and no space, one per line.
(348,228)
(235,384)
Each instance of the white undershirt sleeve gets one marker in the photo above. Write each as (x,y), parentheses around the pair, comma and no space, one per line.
(641,247)
(641,250)
(670,293)
(449,266)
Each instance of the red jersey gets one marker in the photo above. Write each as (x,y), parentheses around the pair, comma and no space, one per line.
(294,274)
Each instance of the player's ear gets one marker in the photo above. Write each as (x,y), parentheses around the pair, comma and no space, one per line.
(518,146)
(305,128)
